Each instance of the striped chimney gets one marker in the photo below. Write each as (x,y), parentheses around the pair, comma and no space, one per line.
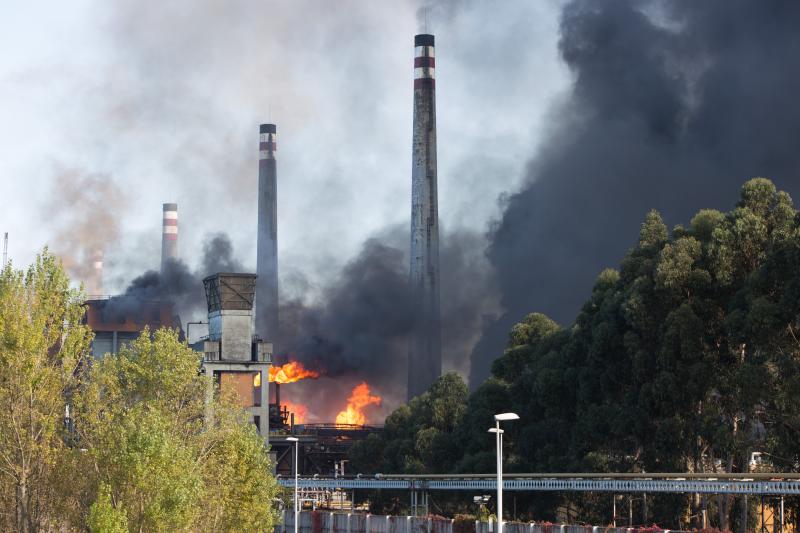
(266,319)
(425,352)
(169,235)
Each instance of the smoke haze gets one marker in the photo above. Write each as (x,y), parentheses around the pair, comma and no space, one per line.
(578,116)
(673,106)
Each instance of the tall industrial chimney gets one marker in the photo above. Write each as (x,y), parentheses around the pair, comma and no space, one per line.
(169,235)
(267,245)
(425,351)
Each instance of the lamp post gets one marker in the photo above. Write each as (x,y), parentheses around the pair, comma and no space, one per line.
(296,503)
(501,417)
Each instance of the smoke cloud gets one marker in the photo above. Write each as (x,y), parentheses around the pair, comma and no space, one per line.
(84,210)
(358,329)
(653,104)
(178,284)
(673,106)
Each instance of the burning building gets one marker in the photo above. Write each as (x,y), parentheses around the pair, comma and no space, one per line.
(425,350)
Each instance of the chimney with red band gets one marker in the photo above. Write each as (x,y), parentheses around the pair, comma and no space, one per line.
(425,352)
(169,235)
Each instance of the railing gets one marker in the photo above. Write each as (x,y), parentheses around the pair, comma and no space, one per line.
(780,484)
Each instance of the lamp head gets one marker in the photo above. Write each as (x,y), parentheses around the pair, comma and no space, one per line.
(292,439)
(495,430)
(506,416)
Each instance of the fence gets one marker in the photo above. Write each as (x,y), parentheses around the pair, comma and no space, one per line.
(524,527)
(328,522)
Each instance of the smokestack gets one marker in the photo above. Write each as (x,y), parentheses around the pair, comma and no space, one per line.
(425,352)
(169,234)
(96,283)
(267,245)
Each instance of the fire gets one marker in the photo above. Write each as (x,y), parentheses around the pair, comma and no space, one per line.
(291,372)
(300,411)
(358,400)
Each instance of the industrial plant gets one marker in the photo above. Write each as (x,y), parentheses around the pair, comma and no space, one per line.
(243,309)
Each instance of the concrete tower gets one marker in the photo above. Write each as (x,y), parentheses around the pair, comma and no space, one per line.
(169,234)
(267,246)
(425,351)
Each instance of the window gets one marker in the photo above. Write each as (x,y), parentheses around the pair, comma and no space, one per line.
(246,386)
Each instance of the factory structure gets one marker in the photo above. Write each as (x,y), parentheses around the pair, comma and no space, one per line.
(243,308)
(267,240)
(169,235)
(425,343)
(233,356)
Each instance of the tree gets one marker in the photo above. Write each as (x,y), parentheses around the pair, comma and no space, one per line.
(419,437)
(684,359)
(139,452)
(141,421)
(42,342)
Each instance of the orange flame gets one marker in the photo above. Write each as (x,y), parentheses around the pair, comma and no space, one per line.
(291,372)
(358,400)
(300,411)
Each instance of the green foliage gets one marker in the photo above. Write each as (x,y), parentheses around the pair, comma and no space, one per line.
(42,342)
(104,517)
(653,231)
(419,437)
(685,359)
(142,418)
(148,448)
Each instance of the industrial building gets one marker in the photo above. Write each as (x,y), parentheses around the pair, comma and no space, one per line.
(267,236)
(233,356)
(425,343)
(117,320)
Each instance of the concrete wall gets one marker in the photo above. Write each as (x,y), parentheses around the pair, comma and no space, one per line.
(328,522)
(234,329)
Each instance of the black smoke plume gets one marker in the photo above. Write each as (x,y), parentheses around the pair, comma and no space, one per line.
(673,106)
(358,330)
(177,284)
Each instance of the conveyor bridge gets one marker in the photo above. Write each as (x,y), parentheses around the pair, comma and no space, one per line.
(752,483)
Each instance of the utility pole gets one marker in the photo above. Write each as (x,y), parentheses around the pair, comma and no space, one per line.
(5,249)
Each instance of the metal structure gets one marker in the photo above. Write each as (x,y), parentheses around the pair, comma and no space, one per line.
(425,351)
(759,484)
(5,249)
(169,234)
(322,446)
(267,240)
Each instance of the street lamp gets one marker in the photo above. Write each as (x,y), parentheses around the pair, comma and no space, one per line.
(296,504)
(501,417)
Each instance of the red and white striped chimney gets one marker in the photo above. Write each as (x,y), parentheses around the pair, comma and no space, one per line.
(425,343)
(169,235)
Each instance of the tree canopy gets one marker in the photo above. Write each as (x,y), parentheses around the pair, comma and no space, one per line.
(684,358)
(145,446)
